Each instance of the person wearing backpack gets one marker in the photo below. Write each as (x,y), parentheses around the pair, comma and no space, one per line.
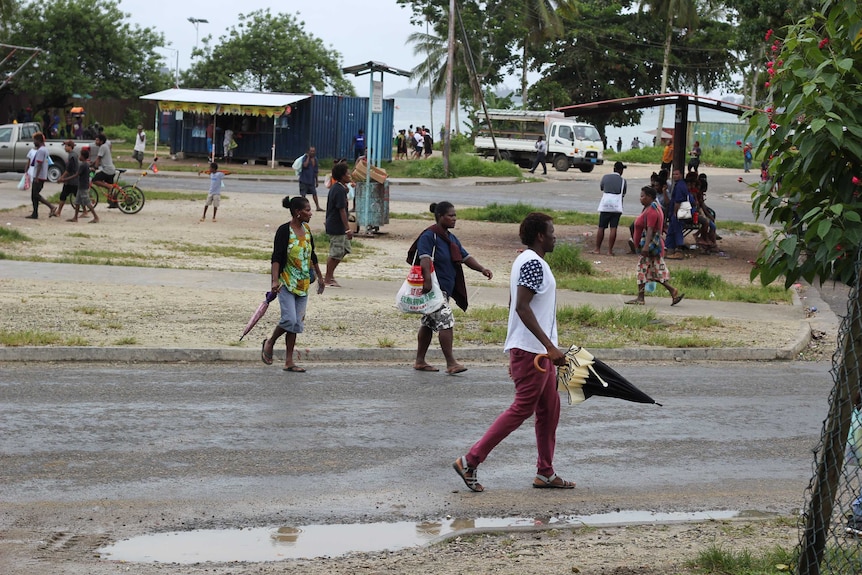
(747,157)
(308,176)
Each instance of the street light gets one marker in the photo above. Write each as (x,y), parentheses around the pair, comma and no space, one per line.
(197,22)
(177,68)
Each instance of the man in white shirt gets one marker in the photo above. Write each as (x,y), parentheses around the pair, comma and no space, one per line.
(140,146)
(104,166)
(613,188)
(532,331)
(39,167)
(541,153)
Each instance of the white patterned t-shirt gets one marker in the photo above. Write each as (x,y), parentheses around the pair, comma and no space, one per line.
(534,273)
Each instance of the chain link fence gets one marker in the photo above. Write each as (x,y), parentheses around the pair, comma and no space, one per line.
(831,527)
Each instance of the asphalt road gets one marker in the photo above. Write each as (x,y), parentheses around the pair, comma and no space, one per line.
(361,442)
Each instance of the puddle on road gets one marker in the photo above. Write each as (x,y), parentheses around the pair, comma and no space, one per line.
(310,541)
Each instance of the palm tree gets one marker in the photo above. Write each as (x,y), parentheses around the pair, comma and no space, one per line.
(680,12)
(432,70)
(540,22)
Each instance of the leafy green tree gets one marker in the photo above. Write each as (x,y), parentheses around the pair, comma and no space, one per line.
(679,13)
(628,51)
(539,22)
(266,52)
(89,48)
(7,9)
(812,130)
(750,20)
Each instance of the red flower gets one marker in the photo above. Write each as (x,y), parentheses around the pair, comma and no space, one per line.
(769,110)
(739,180)
(766,84)
(773,126)
(823,42)
(775,47)
(838,248)
(739,142)
(780,62)
(771,72)
(856,181)
(768,34)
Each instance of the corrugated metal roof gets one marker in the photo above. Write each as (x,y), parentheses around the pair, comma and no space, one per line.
(226,97)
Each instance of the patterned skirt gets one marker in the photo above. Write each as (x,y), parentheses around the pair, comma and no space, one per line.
(652,269)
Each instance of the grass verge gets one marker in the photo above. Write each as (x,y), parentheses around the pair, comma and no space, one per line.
(12,236)
(717,560)
(9,338)
(591,327)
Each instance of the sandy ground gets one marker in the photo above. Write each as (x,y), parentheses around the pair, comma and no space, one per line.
(168,234)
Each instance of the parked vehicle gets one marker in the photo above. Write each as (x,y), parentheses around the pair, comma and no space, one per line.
(16,141)
(571,144)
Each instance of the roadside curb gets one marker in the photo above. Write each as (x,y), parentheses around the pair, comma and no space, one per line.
(384,355)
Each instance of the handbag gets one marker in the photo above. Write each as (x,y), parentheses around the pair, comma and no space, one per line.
(655,242)
(410,298)
(684,211)
(24,183)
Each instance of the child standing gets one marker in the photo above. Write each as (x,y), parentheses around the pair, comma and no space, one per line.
(82,199)
(214,195)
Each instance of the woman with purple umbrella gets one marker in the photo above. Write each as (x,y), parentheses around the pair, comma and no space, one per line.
(293,261)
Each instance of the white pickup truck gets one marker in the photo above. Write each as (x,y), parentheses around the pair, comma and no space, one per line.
(16,140)
(571,144)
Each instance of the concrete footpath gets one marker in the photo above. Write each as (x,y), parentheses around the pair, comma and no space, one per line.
(795,315)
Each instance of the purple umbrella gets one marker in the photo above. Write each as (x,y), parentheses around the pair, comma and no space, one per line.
(261,309)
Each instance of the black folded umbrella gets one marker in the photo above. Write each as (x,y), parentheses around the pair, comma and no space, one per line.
(584,376)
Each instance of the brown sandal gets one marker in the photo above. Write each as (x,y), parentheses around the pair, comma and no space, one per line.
(468,474)
(552,482)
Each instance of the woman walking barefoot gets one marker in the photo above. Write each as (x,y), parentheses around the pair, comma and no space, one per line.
(438,245)
(293,259)
(651,265)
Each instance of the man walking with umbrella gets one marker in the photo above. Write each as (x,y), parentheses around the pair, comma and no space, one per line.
(532,331)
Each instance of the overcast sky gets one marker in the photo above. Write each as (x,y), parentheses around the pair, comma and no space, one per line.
(360,31)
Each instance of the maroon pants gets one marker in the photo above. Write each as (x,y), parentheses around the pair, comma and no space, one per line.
(535,392)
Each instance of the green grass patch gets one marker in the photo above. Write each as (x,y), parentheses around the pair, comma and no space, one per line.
(460,165)
(710,157)
(126,341)
(741,227)
(696,284)
(21,338)
(591,327)
(150,195)
(228,251)
(11,236)
(515,213)
(717,560)
(175,195)
(105,255)
(566,259)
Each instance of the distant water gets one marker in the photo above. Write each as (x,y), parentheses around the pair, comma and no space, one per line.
(417,112)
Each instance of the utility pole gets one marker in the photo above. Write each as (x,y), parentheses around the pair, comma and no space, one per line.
(450,77)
